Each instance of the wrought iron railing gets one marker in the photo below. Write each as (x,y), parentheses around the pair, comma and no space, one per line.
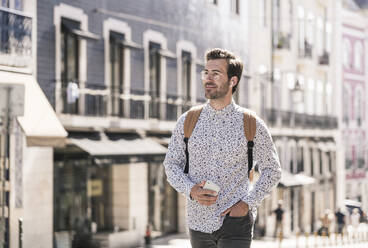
(290,119)
(283,41)
(324,59)
(308,49)
(15,38)
(99,100)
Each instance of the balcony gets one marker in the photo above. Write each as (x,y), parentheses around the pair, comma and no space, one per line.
(291,120)
(308,49)
(283,41)
(324,59)
(15,39)
(102,101)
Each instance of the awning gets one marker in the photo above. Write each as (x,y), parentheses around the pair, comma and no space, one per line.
(125,43)
(39,123)
(119,147)
(289,180)
(326,146)
(75,29)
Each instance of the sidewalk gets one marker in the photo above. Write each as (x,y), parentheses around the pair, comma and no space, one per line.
(182,241)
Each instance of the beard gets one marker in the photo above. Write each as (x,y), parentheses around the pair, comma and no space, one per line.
(219,92)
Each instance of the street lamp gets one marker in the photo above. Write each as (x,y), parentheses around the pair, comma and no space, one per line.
(297,97)
(297,92)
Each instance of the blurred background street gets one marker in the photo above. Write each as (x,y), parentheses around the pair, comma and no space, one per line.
(90,92)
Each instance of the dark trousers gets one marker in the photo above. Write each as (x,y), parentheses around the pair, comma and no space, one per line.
(236,232)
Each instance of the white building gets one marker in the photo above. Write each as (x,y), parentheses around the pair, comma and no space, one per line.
(292,88)
(27,155)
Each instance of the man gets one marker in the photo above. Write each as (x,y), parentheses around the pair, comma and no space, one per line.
(279,212)
(340,220)
(218,153)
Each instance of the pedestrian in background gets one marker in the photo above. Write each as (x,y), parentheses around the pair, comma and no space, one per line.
(340,221)
(279,212)
(355,221)
(218,153)
(326,220)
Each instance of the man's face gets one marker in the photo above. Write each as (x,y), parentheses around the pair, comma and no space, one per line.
(215,80)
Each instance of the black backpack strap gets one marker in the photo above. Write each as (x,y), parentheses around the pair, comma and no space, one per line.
(250,132)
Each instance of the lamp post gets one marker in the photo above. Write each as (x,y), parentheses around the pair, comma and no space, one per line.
(297,97)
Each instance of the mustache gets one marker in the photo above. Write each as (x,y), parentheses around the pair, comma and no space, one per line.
(209,84)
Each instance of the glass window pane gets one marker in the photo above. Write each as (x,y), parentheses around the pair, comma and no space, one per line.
(5,3)
(18,5)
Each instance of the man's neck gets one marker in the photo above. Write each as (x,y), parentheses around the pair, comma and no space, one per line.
(219,104)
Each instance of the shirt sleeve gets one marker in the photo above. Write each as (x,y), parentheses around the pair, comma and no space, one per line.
(266,157)
(175,161)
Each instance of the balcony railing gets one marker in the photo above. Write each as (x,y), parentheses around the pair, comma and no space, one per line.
(308,49)
(99,100)
(283,41)
(15,39)
(291,120)
(324,59)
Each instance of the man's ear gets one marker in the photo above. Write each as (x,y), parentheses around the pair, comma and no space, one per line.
(233,81)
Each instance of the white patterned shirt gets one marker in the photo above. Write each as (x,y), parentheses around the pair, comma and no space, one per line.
(218,152)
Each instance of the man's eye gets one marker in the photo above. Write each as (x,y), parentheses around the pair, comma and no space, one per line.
(216,73)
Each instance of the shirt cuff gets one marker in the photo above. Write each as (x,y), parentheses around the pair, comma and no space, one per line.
(188,189)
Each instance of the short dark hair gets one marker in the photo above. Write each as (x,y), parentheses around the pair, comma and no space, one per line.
(234,64)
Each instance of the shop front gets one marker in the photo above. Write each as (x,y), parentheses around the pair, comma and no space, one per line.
(102,190)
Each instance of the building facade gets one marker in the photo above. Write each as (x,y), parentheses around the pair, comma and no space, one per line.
(118,75)
(30,130)
(354,97)
(292,69)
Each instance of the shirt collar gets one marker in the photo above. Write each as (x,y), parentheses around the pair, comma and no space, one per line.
(226,110)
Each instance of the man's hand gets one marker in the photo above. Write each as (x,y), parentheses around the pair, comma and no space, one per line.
(203,196)
(239,209)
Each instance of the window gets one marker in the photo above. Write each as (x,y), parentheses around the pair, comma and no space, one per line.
(329,157)
(309,36)
(186,61)
(291,16)
(300,160)
(69,66)
(320,162)
(358,55)
(162,201)
(346,104)
(320,98)
(358,106)
(235,8)
(320,33)
(328,37)
(301,31)
(18,5)
(279,38)
(117,73)
(311,161)
(213,1)
(329,98)
(347,53)
(291,159)
(154,79)
(5,3)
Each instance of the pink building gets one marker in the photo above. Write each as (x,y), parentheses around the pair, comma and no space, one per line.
(354,103)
